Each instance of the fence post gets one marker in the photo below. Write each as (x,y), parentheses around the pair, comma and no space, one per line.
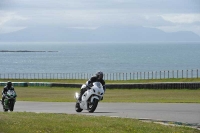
(182,74)
(187,74)
(160,74)
(140,75)
(168,74)
(177,73)
(155,75)
(192,73)
(164,74)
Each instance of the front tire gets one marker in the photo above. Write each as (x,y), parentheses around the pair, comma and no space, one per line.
(11,105)
(77,107)
(92,106)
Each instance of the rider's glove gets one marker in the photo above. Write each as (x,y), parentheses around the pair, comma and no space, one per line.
(90,85)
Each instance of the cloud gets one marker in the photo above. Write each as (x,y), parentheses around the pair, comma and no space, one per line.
(140,6)
(6,29)
(182,18)
(184,27)
(9,20)
(6,17)
(90,13)
(92,18)
(181,22)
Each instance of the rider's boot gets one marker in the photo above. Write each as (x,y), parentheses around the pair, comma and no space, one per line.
(80,96)
(2,101)
(101,98)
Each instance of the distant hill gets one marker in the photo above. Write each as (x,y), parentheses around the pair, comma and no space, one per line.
(101,34)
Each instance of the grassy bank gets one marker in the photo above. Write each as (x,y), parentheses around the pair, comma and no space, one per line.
(63,123)
(107,81)
(61,94)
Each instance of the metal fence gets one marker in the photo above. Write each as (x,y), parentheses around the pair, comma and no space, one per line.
(194,73)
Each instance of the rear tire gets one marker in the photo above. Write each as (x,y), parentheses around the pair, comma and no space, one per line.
(77,107)
(92,106)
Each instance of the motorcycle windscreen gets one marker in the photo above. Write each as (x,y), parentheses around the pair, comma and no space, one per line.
(98,84)
(11,93)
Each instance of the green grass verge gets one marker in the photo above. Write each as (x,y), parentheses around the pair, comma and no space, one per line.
(61,94)
(23,122)
(107,81)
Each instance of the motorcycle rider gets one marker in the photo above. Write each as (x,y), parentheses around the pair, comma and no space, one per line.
(97,78)
(5,89)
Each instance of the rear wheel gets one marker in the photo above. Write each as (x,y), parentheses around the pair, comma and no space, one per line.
(77,107)
(92,106)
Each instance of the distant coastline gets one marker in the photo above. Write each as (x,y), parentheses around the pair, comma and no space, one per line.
(24,51)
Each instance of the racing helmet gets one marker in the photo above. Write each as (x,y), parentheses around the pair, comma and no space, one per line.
(9,84)
(99,75)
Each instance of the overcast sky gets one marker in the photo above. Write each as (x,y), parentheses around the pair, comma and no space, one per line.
(167,15)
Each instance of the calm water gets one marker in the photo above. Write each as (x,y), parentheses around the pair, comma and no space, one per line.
(91,57)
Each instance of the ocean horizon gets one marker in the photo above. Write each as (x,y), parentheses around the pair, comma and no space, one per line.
(93,57)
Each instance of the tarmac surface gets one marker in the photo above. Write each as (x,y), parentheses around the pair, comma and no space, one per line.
(177,113)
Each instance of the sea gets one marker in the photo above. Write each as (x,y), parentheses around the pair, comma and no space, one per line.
(65,57)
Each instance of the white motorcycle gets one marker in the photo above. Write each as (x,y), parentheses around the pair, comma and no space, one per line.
(90,98)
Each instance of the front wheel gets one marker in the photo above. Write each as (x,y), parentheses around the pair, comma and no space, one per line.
(11,105)
(92,106)
(77,107)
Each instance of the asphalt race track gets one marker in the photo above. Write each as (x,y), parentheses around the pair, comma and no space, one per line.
(176,112)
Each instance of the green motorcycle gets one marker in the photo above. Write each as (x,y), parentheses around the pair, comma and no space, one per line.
(9,101)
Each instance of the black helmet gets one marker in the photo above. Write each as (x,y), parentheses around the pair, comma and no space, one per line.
(99,75)
(9,84)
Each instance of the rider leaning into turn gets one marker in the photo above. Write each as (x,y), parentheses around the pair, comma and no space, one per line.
(97,78)
(5,89)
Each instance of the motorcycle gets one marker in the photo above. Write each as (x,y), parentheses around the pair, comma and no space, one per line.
(9,101)
(90,98)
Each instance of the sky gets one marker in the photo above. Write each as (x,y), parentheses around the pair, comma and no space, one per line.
(166,15)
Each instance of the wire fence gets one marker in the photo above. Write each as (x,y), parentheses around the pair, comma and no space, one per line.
(193,73)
